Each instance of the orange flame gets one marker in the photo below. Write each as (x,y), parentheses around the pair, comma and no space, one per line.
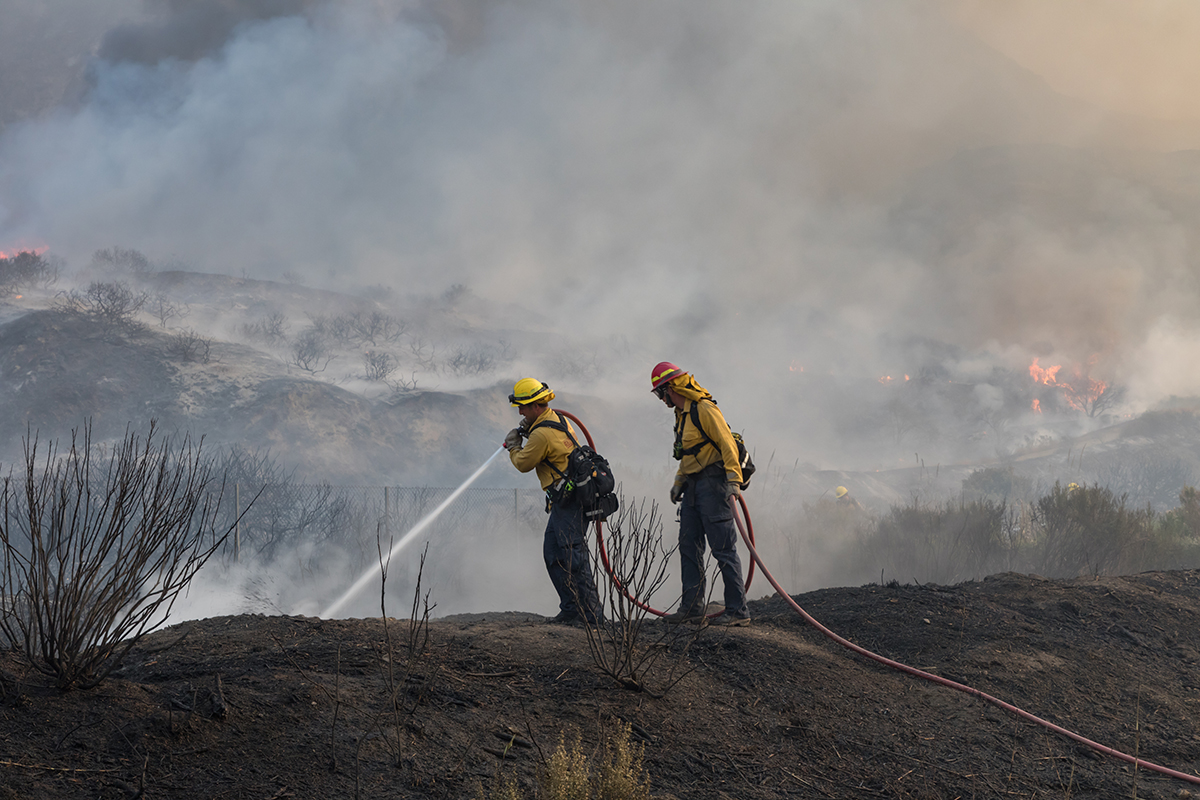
(1081,393)
(795,367)
(1046,376)
(885,380)
(37,251)
(1036,406)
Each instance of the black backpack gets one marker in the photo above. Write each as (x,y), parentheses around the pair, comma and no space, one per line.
(588,477)
(744,459)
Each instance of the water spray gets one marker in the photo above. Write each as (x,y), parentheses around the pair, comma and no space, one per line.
(370,574)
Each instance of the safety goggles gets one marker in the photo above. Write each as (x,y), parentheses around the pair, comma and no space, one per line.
(661,391)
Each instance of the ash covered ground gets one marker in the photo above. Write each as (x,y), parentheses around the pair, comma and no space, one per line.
(276,707)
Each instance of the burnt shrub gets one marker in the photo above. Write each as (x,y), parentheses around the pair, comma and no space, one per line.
(945,543)
(187,345)
(271,329)
(122,260)
(114,305)
(97,543)
(310,351)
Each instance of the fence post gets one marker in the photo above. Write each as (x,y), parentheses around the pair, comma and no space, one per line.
(237,525)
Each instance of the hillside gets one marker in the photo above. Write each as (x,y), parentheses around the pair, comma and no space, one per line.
(277,707)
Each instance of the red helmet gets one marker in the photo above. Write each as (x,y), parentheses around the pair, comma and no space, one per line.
(663,372)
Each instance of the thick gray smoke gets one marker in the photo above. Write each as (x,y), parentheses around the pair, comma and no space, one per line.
(791,198)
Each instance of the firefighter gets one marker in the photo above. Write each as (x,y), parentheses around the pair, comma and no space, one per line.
(708,479)
(565,549)
(844,500)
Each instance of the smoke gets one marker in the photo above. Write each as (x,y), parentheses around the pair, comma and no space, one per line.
(789,198)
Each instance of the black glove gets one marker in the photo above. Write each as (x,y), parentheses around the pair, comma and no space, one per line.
(677,493)
(732,489)
(513,440)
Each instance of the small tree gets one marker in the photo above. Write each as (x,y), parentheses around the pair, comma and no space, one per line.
(95,548)
(113,305)
(122,259)
(271,329)
(378,366)
(188,345)
(310,351)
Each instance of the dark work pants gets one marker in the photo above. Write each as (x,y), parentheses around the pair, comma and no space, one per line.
(566,552)
(706,515)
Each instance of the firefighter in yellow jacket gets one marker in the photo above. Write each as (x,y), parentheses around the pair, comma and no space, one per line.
(545,450)
(709,476)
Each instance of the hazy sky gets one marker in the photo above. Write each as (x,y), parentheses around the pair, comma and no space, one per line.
(1135,57)
(713,177)
(741,186)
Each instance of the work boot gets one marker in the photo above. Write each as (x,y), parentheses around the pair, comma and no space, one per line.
(681,616)
(728,620)
(566,618)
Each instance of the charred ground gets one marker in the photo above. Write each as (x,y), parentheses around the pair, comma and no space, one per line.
(275,707)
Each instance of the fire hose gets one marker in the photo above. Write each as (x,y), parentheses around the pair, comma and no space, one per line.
(746,530)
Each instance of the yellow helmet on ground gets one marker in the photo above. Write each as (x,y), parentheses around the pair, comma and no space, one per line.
(840,492)
(530,390)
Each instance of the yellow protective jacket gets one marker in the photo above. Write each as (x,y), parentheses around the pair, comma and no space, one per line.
(545,446)
(718,431)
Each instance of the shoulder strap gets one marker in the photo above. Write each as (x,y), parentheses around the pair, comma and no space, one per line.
(558,425)
(695,414)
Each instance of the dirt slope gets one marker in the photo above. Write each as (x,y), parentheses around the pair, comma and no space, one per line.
(774,710)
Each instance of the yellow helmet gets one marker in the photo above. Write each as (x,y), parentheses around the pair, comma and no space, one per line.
(840,492)
(1072,487)
(530,390)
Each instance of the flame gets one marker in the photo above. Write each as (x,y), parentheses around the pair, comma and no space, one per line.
(1080,394)
(795,367)
(37,251)
(885,380)
(1046,376)
(1036,406)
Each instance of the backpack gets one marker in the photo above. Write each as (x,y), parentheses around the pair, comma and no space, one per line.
(588,477)
(743,455)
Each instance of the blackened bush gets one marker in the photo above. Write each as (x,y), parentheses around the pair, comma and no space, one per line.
(310,351)
(95,548)
(121,259)
(271,329)
(113,305)
(187,345)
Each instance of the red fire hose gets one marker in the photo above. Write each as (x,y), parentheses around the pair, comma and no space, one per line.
(747,533)
(603,548)
(1137,762)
